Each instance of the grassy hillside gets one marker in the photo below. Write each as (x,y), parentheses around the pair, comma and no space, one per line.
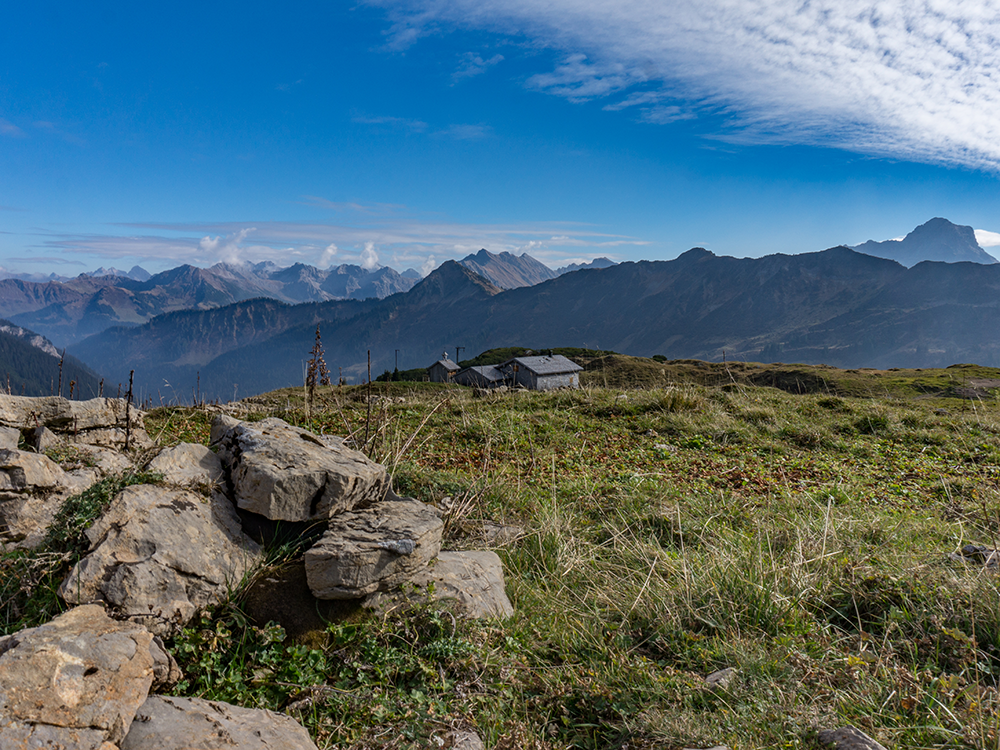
(803,536)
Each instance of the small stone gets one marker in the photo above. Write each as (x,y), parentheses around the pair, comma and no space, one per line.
(458,739)
(721,679)
(848,738)
(42,439)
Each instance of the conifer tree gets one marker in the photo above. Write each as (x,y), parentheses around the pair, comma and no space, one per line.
(317,373)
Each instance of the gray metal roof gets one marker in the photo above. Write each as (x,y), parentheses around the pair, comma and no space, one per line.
(487,372)
(546,365)
(447,364)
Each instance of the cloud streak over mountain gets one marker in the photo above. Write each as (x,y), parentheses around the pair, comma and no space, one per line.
(912,80)
(402,241)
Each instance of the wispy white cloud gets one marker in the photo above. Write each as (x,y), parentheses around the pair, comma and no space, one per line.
(473,64)
(10,129)
(404,123)
(394,239)
(227,249)
(465,132)
(912,79)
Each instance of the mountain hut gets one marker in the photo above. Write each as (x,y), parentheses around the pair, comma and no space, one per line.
(442,371)
(542,373)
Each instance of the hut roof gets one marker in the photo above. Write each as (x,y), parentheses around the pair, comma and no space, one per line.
(545,365)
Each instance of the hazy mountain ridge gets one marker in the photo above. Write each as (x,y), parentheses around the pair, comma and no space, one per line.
(68,311)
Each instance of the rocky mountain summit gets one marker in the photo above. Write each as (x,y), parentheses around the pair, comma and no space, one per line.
(162,552)
(936,240)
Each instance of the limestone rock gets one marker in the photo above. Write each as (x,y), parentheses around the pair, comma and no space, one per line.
(458,739)
(42,439)
(471,581)
(168,723)
(187,465)
(74,682)
(721,679)
(376,547)
(162,554)
(848,738)
(987,557)
(9,438)
(286,473)
(32,490)
(62,415)
(166,670)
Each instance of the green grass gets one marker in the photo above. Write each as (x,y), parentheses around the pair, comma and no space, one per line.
(29,579)
(665,531)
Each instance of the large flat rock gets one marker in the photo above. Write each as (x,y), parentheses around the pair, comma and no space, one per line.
(286,473)
(472,582)
(75,682)
(168,723)
(161,554)
(374,548)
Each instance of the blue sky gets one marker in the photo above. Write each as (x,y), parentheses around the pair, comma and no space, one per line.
(408,133)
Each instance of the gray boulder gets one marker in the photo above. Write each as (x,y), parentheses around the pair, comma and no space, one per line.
(162,554)
(374,548)
(471,581)
(168,723)
(286,473)
(187,465)
(75,682)
(32,490)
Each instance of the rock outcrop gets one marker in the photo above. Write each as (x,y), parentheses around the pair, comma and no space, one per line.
(168,723)
(161,554)
(98,421)
(32,490)
(377,547)
(75,682)
(286,473)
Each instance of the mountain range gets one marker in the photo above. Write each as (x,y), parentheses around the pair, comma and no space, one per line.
(242,329)
(69,310)
(838,307)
